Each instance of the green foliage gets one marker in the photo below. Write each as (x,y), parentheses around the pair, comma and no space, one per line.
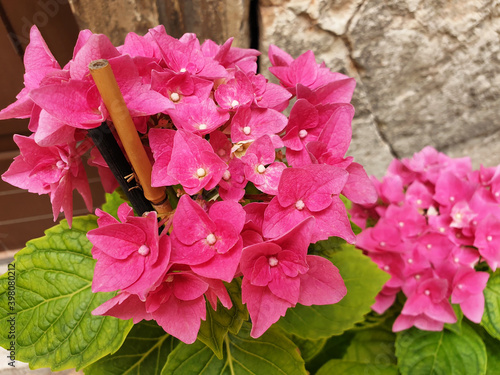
(144,351)
(214,329)
(308,348)
(374,346)
(358,352)
(373,319)
(363,280)
(113,201)
(444,352)
(327,248)
(348,206)
(491,316)
(54,301)
(251,189)
(493,352)
(334,348)
(340,367)
(55,327)
(456,327)
(272,353)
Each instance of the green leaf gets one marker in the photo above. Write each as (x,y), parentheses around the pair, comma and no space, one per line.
(491,316)
(341,367)
(308,348)
(272,353)
(251,189)
(327,248)
(373,319)
(214,329)
(335,348)
(347,202)
(144,351)
(456,327)
(348,206)
(374,346)
(493,351)
(113,201)
(444,352)
(54,325)
(363,280)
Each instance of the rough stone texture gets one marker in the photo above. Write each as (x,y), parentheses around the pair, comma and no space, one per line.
(428,71)
(209,19)
(115,18)
(294,27)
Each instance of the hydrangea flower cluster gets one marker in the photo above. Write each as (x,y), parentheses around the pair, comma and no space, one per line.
(437,229)
(213,128)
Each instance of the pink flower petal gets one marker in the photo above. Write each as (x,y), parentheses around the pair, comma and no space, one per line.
(106,271)
(181,319)
(263,306)
(124,306)
(69,103)
(117,240)
(188,287)
(322,284)
(221,266)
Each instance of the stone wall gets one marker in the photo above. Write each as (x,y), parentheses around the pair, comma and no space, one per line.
(428,71)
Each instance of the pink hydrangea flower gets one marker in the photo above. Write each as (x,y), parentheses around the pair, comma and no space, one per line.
(215,127)
(430,301)
(180,87)
(231,57)
(305,192)
(177,304)
(233,182)
(200,118)
(435,220)
(130,255)
(124,306)
(38,62)
(326,141)
(56,170)
(278,274)
(237,92)
(77,103)
(269,95)
(260,167)
(468,287)
(251,124)
(487,240)
(185,55)
(193,163)
(303,70)
(209,243)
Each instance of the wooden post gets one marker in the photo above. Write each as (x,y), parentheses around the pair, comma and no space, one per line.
(115,18)
(208,19)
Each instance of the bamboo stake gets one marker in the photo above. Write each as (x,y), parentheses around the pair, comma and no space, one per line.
(112,97)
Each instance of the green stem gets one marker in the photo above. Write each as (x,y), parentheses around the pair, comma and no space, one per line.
(172,197)
(229,357)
